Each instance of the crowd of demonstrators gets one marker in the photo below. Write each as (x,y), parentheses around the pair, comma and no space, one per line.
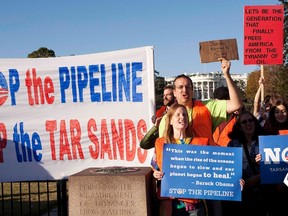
(258,199)
(176,131)
(222,108)
(245,134)
(204,114)
(204,117)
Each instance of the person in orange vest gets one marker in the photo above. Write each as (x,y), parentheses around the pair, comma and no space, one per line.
(200,121)
(204,116)
(177,131)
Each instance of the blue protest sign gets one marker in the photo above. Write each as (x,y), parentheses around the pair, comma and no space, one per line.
(274,162)
(201,172)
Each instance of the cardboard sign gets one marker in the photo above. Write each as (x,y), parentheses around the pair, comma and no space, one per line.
(210,51)
(263,34)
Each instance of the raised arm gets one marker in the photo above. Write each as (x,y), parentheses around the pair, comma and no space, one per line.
(257,100)
(235,103)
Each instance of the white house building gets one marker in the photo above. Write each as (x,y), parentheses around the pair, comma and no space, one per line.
(205,83)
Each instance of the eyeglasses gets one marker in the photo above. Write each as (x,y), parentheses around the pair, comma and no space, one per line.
(180,87)
(245,121)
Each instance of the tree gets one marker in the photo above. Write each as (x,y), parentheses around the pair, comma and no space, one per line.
(240,84)
(252,85)
(285,50)
(42,52)
(280,80)
(159,86)
(276,78)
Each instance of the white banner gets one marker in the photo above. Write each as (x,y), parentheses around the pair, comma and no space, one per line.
(62,115)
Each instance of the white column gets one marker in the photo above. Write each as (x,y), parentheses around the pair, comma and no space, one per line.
(202,89)
(213,86)
(197,93)
(208,89)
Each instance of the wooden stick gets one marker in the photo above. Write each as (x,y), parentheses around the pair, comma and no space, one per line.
(262,85)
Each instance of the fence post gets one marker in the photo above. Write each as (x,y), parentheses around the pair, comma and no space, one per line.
(62,198)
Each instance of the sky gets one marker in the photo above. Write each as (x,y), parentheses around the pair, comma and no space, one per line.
(173,28)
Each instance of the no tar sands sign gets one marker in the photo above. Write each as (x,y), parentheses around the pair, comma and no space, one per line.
(274,160)
(202,172)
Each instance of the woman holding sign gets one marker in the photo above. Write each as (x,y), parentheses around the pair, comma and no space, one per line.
(277,124)
(245,134)
(178,131)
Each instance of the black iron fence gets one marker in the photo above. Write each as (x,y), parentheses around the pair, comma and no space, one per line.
(49,198)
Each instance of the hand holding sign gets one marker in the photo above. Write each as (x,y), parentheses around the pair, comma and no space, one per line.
(225,65)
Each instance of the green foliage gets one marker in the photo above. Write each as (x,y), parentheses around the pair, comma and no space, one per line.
(276,79)
(159,86)
(252,85)
(285,50)
(280,80)
(42,52)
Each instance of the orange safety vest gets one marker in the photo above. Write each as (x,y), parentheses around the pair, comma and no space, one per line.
(202,122)
(159,145)
(283,132)
(220,135)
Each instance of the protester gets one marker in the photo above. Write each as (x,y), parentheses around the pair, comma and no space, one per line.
(221,109)
(221,93)
(148,140)
(203,118)
(177,131)
(220,134)
(245,134)
(168,100)
(277,124)
(260,111)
